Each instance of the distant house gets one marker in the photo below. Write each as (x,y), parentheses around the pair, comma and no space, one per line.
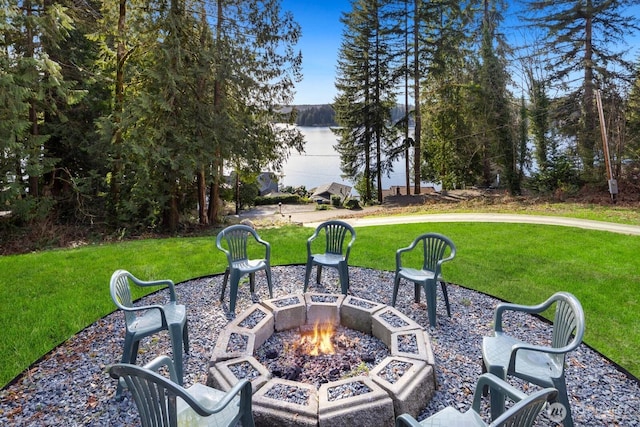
(268,183)
(324,192)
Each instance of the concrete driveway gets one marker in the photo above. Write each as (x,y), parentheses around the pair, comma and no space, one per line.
(309,216)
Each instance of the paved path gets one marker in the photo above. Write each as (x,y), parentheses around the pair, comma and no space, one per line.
(308,216)
(494,217)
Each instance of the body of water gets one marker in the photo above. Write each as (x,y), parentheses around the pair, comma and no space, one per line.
(320,163)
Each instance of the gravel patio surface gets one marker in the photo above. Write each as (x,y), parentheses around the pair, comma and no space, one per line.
(70,386)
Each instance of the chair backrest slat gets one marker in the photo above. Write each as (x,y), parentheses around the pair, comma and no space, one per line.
(525,412)
(335,237)
(237,241)
(568,324)
(433,248)
(121,292)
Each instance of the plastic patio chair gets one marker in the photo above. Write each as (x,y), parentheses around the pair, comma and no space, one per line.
(336,253)
(144,320)
(235,247)
(522,414)
(436,249)
(504,355)
(163,402)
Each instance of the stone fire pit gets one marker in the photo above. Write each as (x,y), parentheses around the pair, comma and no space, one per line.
(402,382)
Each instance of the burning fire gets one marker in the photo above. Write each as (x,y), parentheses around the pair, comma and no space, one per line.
(319,340)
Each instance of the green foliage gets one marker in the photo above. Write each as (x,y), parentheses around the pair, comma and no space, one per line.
(292,199)
(315,115)
(336,201)
(587,39)
(561,173)
(366,82)
(300,191)
(352,204)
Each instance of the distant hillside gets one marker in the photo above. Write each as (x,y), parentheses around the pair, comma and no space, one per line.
(323,115)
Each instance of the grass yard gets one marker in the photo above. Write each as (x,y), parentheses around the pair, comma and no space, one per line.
(49,296)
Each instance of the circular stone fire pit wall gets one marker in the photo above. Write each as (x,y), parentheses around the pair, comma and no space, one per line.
(402,382)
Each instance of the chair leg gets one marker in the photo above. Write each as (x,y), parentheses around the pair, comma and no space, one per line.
(185,336)
(252,283)
(319,275)
(443,285)
(496,397)
(176,331)
(129,355)
(343,271)
(430,291)
(233,290)
(563,398)
(307,274)
(269,284)
(417,288)
(224,283)
(396,285)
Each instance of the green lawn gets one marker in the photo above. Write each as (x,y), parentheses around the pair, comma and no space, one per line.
(49,296)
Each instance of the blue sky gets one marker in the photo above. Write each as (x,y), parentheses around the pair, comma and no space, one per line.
(320,43)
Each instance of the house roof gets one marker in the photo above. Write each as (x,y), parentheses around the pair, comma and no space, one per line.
(333,188)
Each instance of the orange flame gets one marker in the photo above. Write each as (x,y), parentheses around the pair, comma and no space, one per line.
(319,341)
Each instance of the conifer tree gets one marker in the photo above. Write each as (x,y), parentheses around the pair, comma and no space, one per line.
(366,85)
(585,42)
(494,102)
(451,154)
(28,79)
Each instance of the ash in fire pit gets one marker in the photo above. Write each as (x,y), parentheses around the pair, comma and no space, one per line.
(289,355)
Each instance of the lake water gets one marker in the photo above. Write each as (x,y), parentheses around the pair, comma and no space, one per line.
(320,163)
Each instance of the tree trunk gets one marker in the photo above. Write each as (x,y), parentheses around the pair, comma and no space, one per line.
(418,115)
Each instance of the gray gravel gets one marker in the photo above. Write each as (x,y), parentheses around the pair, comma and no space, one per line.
(71,387)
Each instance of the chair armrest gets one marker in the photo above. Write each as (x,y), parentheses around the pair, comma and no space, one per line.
(496,383)
(406,420)
(399,253)
(166,282)
(267,248)
(502,307)
(310,241)
(348,249)
(145,307)
(537,348)
(161,361)
(243,388)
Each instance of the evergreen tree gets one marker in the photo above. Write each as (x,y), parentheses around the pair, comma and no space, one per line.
(633,120)
(451,154)
(495,99)
(584,41)
(366,93)
(255,74)
(32,88)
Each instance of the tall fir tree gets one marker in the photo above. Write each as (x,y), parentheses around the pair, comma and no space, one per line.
(585,41)
(366,85)
(33,87)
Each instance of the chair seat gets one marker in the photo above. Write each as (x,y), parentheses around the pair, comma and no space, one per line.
(328,259)
(150,321)
(415,275)
(208,397)
(249,265)
(496,351)
(449,417)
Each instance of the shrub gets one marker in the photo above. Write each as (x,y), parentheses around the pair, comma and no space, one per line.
(353,204)
(274,200)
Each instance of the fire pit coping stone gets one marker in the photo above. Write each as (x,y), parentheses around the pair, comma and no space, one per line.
(375,408)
